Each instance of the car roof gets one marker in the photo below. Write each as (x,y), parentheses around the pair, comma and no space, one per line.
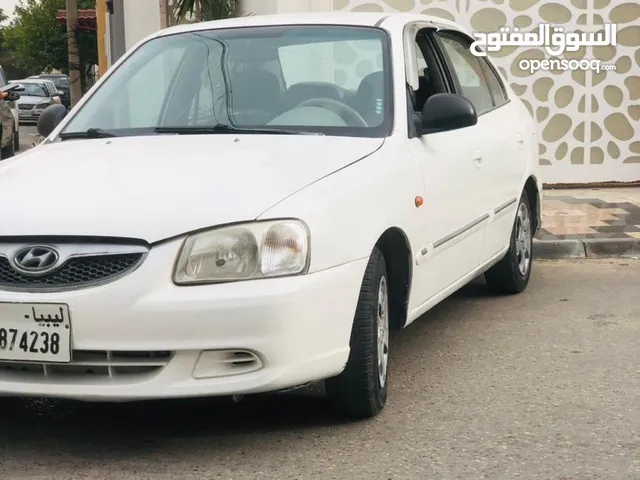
(365,19)
(30,80)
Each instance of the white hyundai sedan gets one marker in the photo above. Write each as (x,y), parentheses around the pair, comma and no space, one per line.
(250,205)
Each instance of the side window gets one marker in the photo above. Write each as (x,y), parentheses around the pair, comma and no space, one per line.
(498,92)
(422,63)
(430,73)
(3,79)
(468,68)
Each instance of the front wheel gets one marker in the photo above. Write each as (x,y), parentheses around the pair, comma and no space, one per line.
(360,391)
(512,274)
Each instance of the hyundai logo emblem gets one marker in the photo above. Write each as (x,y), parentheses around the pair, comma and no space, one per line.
(35,260)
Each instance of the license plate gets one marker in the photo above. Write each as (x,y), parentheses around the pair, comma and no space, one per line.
(35,332)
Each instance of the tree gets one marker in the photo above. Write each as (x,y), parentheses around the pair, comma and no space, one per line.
(7,57)
(75,87)
(39,43)
(201,10)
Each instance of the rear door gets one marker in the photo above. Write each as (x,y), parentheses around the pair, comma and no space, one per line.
(501,160)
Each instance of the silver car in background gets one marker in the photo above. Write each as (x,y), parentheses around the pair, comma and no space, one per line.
(34,99)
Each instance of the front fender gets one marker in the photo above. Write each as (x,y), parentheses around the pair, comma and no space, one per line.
(349,210)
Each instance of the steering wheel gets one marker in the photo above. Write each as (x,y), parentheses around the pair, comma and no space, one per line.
(348,114)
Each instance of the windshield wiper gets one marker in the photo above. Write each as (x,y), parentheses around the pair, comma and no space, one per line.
(223,128)
(89,133)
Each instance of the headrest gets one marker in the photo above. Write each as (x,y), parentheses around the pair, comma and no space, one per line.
(299,92)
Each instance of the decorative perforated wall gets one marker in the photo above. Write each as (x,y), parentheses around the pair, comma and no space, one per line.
(589,122)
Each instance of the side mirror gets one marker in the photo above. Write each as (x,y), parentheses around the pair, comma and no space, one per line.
(12,96)
(443,112)
(50,118)
(60,93)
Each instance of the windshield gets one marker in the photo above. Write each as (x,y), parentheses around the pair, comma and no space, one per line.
(332,80)
(59,82)
(34,89)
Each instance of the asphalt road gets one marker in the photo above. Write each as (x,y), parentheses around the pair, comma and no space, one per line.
(27,133)
(544,385)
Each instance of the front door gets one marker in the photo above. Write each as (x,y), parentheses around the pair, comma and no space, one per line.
(453,233)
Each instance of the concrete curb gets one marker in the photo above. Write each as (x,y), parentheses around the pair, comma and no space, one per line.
(587,248)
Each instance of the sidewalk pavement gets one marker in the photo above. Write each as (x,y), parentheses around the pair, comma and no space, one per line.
(590,222)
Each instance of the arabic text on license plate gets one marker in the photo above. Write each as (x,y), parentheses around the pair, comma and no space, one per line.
(35,332)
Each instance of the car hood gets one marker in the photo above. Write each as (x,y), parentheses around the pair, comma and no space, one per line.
(157,187)
(32,99)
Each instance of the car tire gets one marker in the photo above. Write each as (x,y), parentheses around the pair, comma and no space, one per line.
(511,275)
(16,140)
(8,151)
(360,391)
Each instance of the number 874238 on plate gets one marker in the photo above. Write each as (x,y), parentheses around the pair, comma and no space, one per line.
(35,332)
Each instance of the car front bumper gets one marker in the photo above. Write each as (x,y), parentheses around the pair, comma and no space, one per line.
(224,339)
(30,115)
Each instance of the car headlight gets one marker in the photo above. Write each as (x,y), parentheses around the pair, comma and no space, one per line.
(43,105)
(243,252)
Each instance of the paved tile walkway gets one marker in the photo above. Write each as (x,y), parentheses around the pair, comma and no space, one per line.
(591,213)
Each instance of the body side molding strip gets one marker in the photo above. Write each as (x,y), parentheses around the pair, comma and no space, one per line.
(460,231)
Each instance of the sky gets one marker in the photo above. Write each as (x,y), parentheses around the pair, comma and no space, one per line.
(8,6)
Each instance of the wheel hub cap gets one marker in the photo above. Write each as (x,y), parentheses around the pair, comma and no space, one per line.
(382,315)
(523,239)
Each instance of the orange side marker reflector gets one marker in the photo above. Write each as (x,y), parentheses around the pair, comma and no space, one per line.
(419,201)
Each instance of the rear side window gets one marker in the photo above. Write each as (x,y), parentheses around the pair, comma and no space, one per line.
(476,78)
(496,87)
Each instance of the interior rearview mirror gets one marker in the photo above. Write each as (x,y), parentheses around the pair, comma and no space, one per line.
(50,118)
(443,112)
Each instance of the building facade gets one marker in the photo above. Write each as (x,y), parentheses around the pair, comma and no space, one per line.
(588,121)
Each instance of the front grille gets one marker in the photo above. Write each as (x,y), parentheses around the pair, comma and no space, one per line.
(24,106)
(86,364)
(75,272)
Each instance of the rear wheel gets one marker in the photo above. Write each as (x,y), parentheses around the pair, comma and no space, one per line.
(360,391)
(512,274)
